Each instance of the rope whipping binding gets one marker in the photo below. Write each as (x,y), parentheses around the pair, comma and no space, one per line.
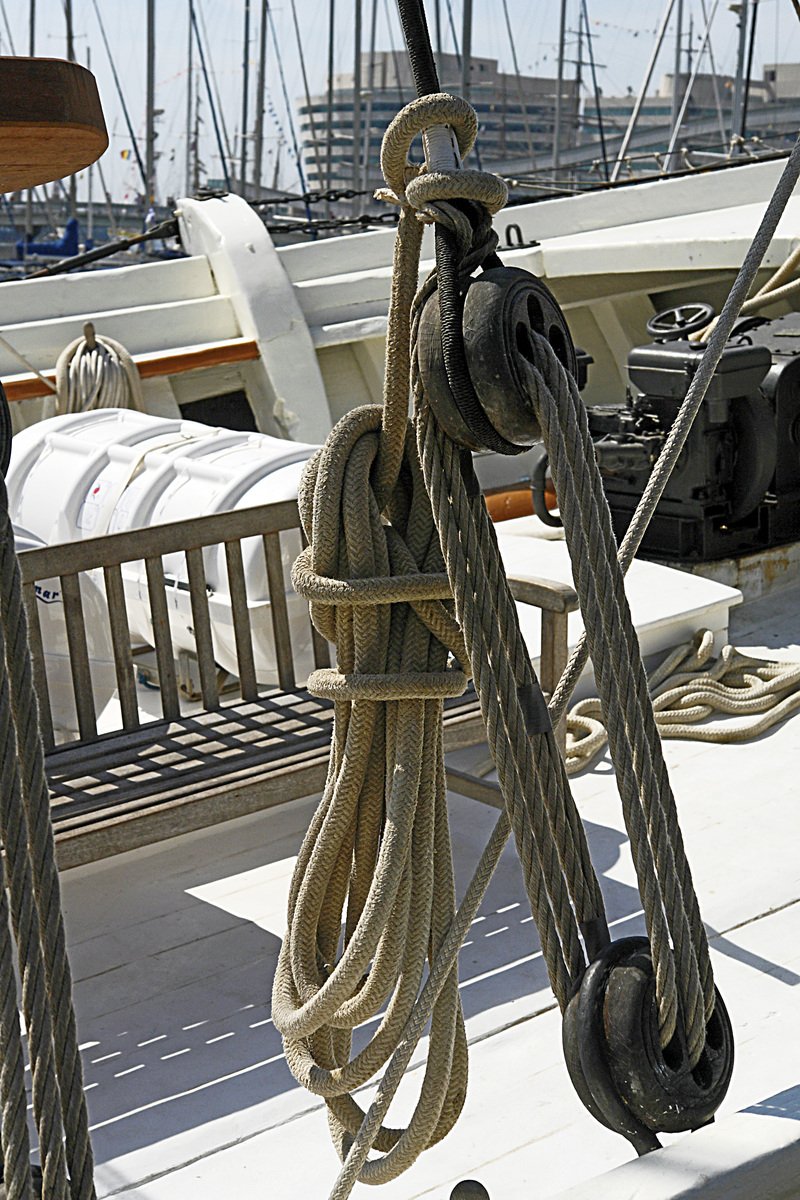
(96,372)
(33,941)
(373,574)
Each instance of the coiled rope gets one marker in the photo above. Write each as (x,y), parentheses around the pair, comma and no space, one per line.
(377,856)
(30,894)
(690,687)
(96,372)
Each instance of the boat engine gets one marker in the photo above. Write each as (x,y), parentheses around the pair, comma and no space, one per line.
(736,485)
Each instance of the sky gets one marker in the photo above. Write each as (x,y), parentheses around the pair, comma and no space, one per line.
(623,36)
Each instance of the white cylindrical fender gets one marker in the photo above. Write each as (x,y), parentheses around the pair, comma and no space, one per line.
(87,474)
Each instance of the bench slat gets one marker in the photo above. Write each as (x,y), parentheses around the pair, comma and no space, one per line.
(280,615)
(173,537)
(121,642)
(167,681)
(79,656)
(241,620)
(201,624)
(37,654)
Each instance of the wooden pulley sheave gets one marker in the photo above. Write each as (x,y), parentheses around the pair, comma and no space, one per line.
(51,121)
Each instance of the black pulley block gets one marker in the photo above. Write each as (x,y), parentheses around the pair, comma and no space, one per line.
(675,323)
(503,307)
(5,432)
(469,1189)
(624,1077)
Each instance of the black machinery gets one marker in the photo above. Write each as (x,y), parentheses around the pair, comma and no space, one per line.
(736,486)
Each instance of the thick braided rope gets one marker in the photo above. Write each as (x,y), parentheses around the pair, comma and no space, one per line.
(36,908)
(378,850)
(735,685)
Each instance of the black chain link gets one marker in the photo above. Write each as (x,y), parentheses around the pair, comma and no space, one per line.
(363,221)
(329,197)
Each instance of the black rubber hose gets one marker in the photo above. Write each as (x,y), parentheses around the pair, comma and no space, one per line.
(418,44)
(538,476)
(5,436)
(426,80)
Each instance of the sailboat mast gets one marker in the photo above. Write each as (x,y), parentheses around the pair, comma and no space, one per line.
(520,93)
(258,153)
(597,104)
(312,124)
(211,105)
(31,52)
(73,197)
(690,85)
(90,177)
(749,74)
(367,140)
(245,97)
(648,75)
(466,49)
(357,105)
(562,35)
(738,87)
(329,152)
(189,67)
(150,136)
(676,77)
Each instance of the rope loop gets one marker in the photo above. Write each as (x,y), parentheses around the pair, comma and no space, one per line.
(96,372)
(411,185)
(377,856)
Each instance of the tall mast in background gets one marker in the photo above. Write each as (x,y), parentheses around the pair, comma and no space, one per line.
(562,34)
(258,153)
(150,135)
(189,81)
(466,50)
(357,106)
(31,52)
(245,97)
(329,147)
(738,86)
(73,197)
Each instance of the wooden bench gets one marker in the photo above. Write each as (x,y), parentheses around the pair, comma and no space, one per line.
(219,756)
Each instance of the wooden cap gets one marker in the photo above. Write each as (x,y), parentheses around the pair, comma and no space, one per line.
(51,121)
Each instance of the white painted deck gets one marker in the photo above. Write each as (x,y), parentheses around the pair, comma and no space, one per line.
(173,950)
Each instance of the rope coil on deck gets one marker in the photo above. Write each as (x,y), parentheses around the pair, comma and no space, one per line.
(690,687)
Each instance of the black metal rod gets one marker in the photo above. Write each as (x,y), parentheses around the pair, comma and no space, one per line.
(164,230)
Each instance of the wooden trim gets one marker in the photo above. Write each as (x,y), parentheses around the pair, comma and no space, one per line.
(174,537)
(151,366)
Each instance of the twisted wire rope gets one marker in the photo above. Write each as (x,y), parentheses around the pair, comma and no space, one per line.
(34,892)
